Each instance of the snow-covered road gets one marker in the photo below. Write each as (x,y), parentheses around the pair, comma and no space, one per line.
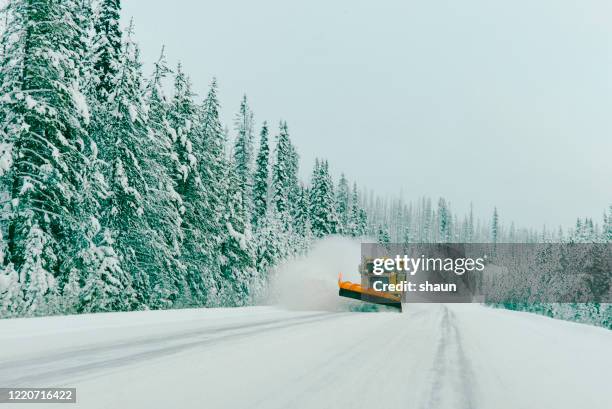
(431,356)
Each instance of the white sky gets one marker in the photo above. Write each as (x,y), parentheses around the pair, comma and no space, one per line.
(505,103)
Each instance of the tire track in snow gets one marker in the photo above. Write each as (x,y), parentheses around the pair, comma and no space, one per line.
(87,360)
(143,341)
(353,367)
(451,382)
(324,376)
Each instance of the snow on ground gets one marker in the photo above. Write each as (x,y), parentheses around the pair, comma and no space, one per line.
(431,356)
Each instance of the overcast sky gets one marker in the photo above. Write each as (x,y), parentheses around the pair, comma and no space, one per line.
(503,103)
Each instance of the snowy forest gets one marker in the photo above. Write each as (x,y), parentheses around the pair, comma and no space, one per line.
(121,193)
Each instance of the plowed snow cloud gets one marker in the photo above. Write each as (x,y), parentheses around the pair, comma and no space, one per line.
(310,282)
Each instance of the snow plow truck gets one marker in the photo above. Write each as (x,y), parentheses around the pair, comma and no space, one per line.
(364,291)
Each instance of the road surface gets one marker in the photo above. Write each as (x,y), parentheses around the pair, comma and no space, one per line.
(431,356)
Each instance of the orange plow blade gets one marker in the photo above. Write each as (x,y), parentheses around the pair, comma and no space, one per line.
(357,292)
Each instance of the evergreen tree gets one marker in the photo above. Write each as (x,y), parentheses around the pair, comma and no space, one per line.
(106,287)
(182,118)
(324,220)
(383,236)
(512,233)
(293,185)
(261,179)
(408,237)
(560,234)
(342,202)
(443,221)
(426,235)
(357,218)
(83,16)
(37,280)
(43,144)
(270,247)
(408,234)
(212,168)
(11,301)
(302,217)
(495,226)
(69,301)
(237,253)
(185,167)
(107,45)
(607,227)
(95,272)
(165,213)
(363,222)
(284,176)
(470,227)
(125,148)
(243,154)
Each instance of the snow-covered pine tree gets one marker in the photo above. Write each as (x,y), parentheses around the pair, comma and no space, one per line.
(591,230)
(212,168)
(383,236)
(182,116)
(454,229)
(167,282)
(105,285)
(35,273)
(69,302)
(283,176)
(11,301)
(357,224)
(362,226)
(408,234)
(495,226)
(398,220)
(261,178)
(560,235)
(426,229)
(315,186)
(302,217)
(243,154)
(607,226)
(293,188)
(334,222)
(351,223)
(470,225)
(186,156)
(131,168)
(43,144)
(443,221)
(83,16)
(107,45)
(237,261)
(271,243)
(342,202)
(323,217)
